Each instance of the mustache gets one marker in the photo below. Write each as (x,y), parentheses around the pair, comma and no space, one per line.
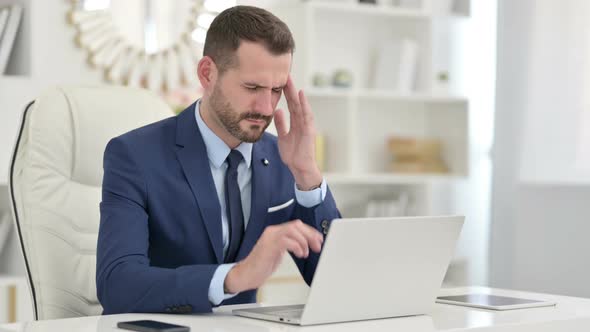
(255,116)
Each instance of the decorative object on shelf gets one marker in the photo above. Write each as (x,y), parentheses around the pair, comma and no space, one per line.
(342,78)
(443,77)
(396,66)
(320,80)
(145,43)
(441,83)
(10,18)
(414,155)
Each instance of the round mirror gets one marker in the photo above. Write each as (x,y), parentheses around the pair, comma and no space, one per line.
(145,43)
(155,24)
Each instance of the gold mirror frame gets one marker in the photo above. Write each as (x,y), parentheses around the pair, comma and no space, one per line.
(125,63)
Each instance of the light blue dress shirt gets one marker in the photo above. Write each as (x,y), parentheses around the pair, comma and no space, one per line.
(217,152)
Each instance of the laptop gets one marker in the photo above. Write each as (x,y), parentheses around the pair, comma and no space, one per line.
(373,268)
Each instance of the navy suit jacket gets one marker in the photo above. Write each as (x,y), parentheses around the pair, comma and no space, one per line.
(160,238)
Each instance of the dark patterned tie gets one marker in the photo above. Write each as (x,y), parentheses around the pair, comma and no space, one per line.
(233,205)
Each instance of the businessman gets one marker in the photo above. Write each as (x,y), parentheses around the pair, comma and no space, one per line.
(197,210)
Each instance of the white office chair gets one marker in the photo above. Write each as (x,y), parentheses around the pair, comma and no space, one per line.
(55,188)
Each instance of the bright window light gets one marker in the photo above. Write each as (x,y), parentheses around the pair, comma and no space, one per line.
(199,35)
(204,20)
(218,5)
(96,4)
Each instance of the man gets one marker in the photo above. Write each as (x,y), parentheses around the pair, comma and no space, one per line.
(186,198)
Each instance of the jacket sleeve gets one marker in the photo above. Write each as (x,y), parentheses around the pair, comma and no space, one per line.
(124,278)
(315,216)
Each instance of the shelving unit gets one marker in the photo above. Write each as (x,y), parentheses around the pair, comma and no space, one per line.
(384,95)
(387,179)
(368,9)
(357,121)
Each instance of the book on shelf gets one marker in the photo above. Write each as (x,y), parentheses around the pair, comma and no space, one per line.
(416,155)
(8,30)
(320,151)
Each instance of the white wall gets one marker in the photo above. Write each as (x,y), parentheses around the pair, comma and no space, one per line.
(557,94)
(539,236)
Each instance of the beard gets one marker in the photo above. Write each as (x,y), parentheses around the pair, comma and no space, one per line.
(230,119)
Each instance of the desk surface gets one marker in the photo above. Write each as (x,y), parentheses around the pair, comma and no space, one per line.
(570,314)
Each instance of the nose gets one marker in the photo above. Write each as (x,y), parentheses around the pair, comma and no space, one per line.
(264,103)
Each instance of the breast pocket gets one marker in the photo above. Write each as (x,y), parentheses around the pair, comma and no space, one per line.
(278,213)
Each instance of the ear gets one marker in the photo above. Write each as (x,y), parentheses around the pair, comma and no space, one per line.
(207,73)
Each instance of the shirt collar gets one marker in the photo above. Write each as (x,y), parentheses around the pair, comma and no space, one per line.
(217,150)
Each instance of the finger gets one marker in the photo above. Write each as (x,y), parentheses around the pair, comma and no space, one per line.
(280,123)
(295,234)
(313,236)
(293,105)
(291,96)
(306,110)
(293,247)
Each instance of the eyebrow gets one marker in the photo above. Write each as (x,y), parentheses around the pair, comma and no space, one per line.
(262,86)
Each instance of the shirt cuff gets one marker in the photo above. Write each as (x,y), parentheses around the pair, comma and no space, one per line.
(216,294)
(313,197)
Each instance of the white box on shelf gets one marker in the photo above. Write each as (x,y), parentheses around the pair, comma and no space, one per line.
(396,65)
(408,66)
(408,3)
(442,7)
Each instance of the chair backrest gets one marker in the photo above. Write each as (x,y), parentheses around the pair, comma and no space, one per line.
(55,188)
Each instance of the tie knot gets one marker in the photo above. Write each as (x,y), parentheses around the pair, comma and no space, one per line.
(233,159)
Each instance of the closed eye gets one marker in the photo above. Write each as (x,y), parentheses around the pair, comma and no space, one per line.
(257,88)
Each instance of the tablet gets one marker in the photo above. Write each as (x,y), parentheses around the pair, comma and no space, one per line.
(493,302)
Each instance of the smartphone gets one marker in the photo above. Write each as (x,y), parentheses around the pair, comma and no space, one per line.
(152,326)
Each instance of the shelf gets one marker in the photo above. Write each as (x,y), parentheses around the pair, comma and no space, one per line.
(416,97)
(388,178)
(370,10)
(384,95)
(16,78)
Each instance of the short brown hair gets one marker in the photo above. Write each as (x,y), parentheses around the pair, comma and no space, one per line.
(245,23)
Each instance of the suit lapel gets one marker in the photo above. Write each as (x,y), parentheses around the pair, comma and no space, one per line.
(192,155)
(261,185)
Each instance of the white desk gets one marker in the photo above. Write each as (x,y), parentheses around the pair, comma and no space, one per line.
(571,315)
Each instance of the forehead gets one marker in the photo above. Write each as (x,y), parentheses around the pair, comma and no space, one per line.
(257,65)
